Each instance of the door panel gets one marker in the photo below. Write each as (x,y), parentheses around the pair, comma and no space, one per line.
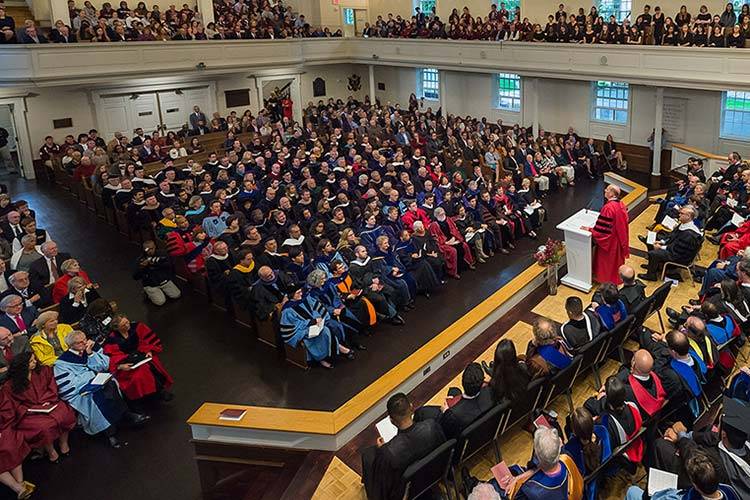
(144,112)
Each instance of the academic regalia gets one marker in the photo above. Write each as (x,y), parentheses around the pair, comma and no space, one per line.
(722,329)
(574,448)
(360,305)
(297,316)
(578,333)
(622,426)
(547,359)
(427,245)
(147,379)
(649,395)
(692,377)
(266,295)
(610,236)
(13,446)
(40,429)
(328,295)
(566,484)
(427,279)
(362,273)
(449,252)
(97,410)
(218,270)
(239,283)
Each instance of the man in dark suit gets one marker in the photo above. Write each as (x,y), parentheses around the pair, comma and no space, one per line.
(63,35)
(46,271)
(11,228)
(17,318)
(33,294)
(30,35)
(10,346)
(383,465)
(681,246)
(472,404)
(197,116)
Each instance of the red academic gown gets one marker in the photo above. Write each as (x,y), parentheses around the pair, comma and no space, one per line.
(729,248)
(450,255)
(612,241)
(13,447)
(142,381)
(39,429)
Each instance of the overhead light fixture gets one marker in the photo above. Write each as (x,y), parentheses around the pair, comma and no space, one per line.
(178,91)
(133,97)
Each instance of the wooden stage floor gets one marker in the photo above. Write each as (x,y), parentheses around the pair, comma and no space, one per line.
(212,359)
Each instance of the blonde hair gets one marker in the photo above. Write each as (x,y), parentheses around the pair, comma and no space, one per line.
(45,318)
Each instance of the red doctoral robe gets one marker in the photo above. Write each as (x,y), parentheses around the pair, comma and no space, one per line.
(450,254)
(140,382)
(728,247)
(13,447)
(39,429)
(612,242)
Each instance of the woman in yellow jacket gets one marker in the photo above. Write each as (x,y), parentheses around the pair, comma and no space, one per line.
(49,342)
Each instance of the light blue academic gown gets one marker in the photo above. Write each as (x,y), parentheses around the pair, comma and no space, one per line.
(296,318)
(72,373)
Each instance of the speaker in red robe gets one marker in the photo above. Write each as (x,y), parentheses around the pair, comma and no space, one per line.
(611,238)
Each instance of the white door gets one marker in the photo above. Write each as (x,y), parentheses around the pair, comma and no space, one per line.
(116,116)
(143,111)
(360,18)
(172,107)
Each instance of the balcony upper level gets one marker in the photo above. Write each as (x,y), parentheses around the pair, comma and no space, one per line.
(685,67)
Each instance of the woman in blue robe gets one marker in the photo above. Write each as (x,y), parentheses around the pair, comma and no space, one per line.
(324,290)
(588,446)
(298,315)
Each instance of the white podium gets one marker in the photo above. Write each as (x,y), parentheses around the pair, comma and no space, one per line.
(578,249)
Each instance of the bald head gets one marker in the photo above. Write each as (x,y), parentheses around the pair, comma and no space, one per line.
(265,273)
(627,274)
(643,362)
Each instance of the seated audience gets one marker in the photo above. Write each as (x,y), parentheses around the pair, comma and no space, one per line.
(509,374)
(70,269)
(546,353)
(13,449)
(132,344)
(383,464)
(32,387)
(582,326)
(17,318)
(33,295)
(680,246)
(623,420)
(26,255)
(10,346)
(100,407)
(588,445)
(48,343)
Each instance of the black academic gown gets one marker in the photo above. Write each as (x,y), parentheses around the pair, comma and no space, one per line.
(382,467)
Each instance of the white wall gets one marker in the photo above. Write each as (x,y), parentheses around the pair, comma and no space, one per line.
(55,103)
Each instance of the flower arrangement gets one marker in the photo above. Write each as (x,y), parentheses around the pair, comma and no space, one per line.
(551,253)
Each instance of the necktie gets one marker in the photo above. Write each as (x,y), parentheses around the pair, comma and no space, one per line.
(17,231)
(20,323)
(53,270)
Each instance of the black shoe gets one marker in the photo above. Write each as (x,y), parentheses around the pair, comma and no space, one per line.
(116,443)
(504,251)
(397,320)
(713,239)
(672,313)
(647,277)
(674,322)
(360,347)
(136,419)
(694,302)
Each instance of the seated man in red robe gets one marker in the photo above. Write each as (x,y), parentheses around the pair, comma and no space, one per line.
(734,241)
(134,360)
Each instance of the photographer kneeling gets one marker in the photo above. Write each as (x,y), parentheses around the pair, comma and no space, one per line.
(155,273)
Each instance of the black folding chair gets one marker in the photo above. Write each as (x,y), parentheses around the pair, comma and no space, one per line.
(562,382)
(619,335)
(659,298)
(536,391)
(475,437)
(593,354)
(421,476)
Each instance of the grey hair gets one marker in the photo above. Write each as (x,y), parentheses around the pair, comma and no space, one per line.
(67,264)
(691,209)
(544,332)
(13,277)
(5,302)
(418,224)
(46,245)
(71,337)
(28,238)
(484,491)
(547,446)
(74,282)
(439,211)
(316,278)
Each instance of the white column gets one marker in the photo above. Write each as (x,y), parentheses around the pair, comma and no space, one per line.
(443,93)
(656,164)
(58,9)
(535,106)
(295,92)
(371,74)
(206,9)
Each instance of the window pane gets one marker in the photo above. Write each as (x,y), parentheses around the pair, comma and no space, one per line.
(735,115)
(610,101)
(508,91)
(619,8)
(348,16)
(428,83)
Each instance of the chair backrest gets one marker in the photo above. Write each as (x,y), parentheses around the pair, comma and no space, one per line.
(563,380)
(617,452)
(482,431)
(620,333)
(524,406)
(425,473)
(641,312)
(591,353)
(659,298)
